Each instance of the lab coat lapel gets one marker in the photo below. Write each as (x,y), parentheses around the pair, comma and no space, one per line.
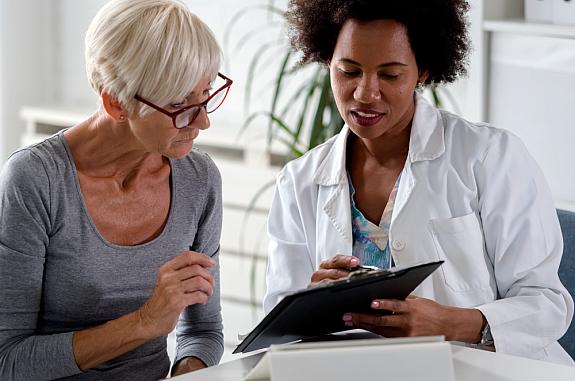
(426,142)
(333,197)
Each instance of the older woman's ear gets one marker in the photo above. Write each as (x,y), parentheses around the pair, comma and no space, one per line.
(113,107)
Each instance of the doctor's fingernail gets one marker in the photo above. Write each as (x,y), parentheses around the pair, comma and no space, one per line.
(347,317)
(375,304)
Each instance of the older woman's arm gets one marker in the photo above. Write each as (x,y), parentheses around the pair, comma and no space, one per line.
(24,236)
(199,332)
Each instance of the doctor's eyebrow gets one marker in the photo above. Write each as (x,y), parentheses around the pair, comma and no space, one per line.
(384,65)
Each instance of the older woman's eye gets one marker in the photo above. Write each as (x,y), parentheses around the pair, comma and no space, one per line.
(177,105)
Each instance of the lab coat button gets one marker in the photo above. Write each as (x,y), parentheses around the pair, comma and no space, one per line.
(398,245)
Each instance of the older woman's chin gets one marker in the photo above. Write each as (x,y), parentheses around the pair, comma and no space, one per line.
(180,149)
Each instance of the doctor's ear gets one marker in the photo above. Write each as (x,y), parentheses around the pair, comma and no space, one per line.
(113,107)
(423,75)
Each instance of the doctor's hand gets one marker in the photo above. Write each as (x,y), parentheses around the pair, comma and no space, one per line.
(181,282)
(333,268)
(420,317)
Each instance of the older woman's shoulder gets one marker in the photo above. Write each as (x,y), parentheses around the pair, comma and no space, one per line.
(47,158)
(201,164)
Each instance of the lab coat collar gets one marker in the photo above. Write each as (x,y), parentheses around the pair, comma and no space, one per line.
(426,142)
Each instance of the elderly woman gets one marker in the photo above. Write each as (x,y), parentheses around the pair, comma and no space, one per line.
(109,230)
(405,183)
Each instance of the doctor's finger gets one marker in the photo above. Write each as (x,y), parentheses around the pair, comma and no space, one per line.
(331,274)
(393,305)
(359,320)
(339,261)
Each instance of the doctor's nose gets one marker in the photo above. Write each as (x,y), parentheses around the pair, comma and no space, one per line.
(367,90)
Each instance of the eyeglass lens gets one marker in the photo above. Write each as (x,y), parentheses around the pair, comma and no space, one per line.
(187,117)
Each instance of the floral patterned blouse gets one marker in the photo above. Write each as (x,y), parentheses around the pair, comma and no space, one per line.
(370,241)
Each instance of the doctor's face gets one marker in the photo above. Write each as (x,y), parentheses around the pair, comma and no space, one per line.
(373,77)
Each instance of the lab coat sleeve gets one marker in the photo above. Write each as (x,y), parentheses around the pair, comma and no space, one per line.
(524,243)
(289,263)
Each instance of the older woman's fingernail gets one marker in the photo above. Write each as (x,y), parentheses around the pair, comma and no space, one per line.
(354,261)
(375,304)
(347,317)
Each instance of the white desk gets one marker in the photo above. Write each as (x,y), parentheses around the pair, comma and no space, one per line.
(469,365)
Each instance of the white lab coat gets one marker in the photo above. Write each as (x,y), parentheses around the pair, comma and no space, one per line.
(470,195)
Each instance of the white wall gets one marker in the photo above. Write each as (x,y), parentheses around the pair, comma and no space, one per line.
(26,65)
(532,81)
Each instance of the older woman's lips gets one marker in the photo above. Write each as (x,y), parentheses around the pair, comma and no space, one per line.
(366,118)
(189,136)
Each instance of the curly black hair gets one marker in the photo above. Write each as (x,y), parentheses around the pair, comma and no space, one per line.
(437,30)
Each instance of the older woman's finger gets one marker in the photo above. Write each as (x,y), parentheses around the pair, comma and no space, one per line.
(192,271)
(188,258)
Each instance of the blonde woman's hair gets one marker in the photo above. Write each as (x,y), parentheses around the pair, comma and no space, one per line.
(157,49)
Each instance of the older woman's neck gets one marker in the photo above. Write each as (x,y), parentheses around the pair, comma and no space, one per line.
(101,147)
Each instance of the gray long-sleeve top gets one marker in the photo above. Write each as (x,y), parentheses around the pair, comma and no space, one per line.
(59,275)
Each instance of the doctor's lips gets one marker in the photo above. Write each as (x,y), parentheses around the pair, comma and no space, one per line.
(365,117)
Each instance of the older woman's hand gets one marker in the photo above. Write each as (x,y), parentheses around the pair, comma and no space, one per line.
(333,268)
(181,282)
(420,317)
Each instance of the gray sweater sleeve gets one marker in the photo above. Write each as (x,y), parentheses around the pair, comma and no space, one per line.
(25,226)
(199,330)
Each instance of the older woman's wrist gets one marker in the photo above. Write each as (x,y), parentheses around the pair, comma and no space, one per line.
(188,364)
(143,327)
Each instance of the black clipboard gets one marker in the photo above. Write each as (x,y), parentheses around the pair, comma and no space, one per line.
(319,310)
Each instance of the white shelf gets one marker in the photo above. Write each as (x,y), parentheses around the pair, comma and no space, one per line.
(523,27)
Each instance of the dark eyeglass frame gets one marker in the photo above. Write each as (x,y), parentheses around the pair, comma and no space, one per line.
(199,106)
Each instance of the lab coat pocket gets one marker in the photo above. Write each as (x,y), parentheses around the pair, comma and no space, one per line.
(459,242)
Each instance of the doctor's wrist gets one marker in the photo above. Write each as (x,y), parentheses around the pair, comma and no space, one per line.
(465,325)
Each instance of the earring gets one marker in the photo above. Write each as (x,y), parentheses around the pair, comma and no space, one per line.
(122,117)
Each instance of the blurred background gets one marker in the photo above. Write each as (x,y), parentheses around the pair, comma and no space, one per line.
(521,78)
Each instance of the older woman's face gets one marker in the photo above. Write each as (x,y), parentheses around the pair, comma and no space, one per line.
(373,77)
(156,131)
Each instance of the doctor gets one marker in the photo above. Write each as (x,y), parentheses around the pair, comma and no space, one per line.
(405,183)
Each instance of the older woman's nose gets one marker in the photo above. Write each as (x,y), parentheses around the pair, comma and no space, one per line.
(367,90)
(202,121)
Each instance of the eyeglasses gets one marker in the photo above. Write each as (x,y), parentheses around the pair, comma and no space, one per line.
(184,117)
